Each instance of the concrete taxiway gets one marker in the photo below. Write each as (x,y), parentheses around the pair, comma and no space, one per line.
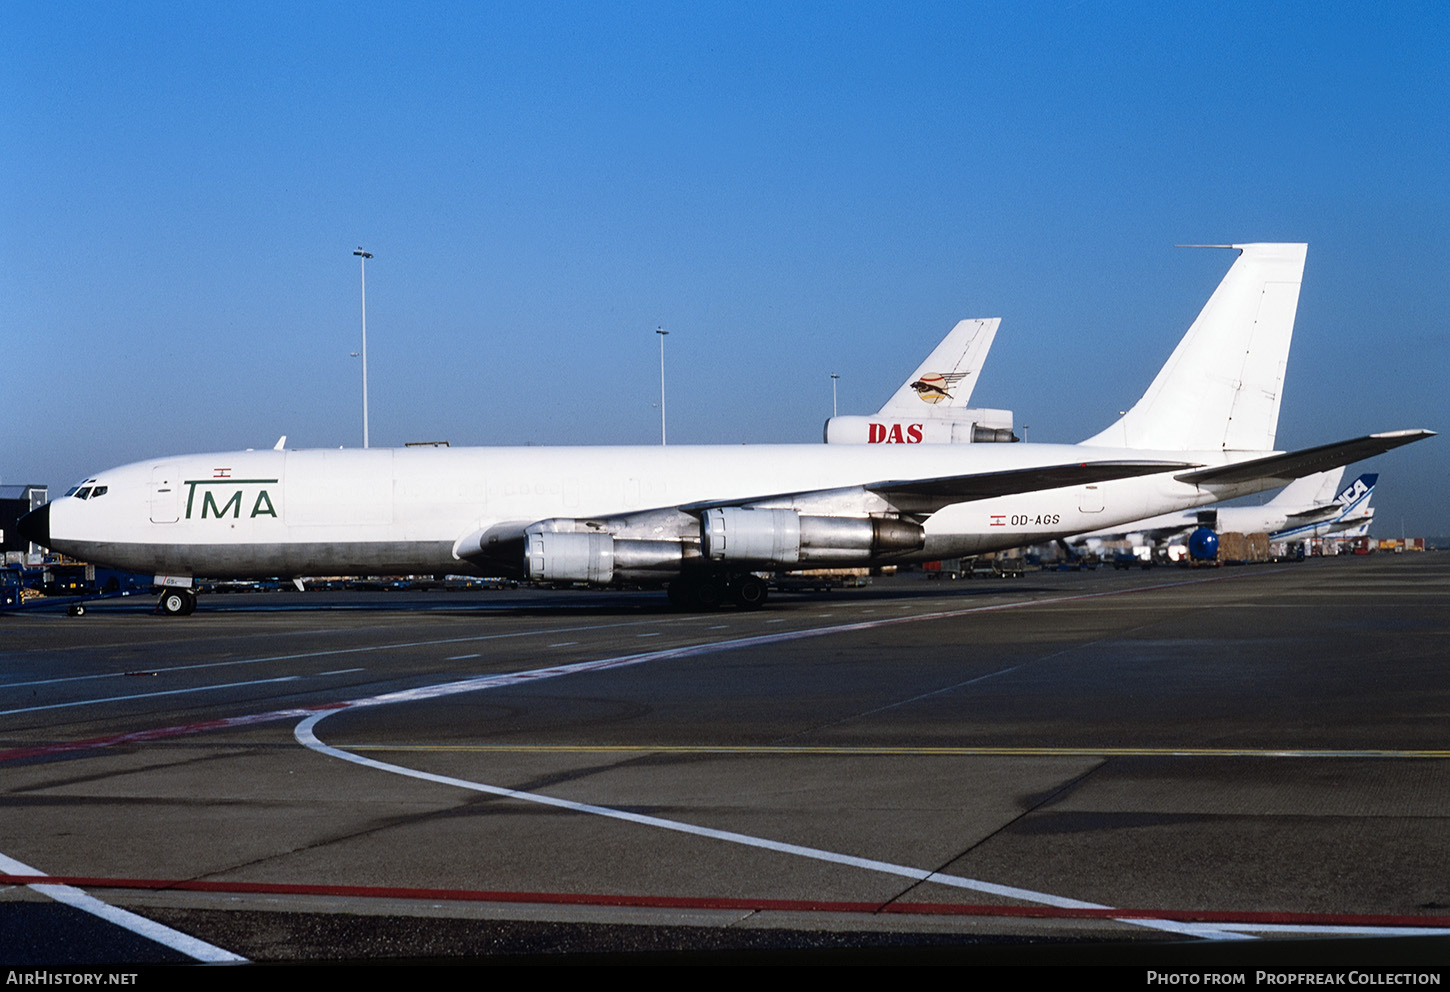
(1242,755)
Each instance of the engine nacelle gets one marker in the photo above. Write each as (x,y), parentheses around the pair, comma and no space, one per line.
(786,538)
(737,534)
(963,427)
(597,557)
(551,557)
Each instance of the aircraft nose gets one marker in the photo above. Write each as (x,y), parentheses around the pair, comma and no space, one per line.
(35,525)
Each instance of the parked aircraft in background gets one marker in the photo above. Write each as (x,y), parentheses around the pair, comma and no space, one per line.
(931,406)
(707,520)
(1308,507)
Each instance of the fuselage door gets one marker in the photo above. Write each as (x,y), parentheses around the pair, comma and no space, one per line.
(165,494)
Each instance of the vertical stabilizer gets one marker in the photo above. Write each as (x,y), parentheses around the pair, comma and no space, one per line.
(1358,492)
(944,382)
(931,406)
(1221,387)
(1312,490)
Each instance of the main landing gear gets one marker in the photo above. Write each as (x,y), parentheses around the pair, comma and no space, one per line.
(177,602)
(711,590)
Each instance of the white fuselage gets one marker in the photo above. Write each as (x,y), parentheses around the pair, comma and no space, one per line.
(403,510)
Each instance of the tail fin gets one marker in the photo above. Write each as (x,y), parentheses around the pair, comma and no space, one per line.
(1355,513)
(1359,490)
(931,406)
(945,380)
(1221,386)
(1312,490)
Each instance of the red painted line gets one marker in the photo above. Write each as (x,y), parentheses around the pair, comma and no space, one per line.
(684,902)
(159,733)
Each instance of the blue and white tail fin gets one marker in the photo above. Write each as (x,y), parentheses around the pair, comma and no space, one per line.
(1220,389)
(1355,513)
(1358,492)
(1333,514)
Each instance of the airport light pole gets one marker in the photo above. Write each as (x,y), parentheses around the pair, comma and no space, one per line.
(663,334)
(363,257)
(834,377)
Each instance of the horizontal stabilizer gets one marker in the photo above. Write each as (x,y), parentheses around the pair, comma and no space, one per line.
(1313,513)
(1287,467)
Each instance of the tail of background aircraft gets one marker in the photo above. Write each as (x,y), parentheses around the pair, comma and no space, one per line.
(1328,514)
(1221,387)
(945,381)
(931,405)
(1359,491)
(1312,490)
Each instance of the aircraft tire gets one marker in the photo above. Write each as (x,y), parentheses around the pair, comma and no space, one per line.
(178,602)
(749,592)
(707,593)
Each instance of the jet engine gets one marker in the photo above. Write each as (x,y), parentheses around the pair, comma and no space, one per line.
(728,540)
(775,538)
(962,427)
(597,558)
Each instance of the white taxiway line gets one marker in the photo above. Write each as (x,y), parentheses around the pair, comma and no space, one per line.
(197,950)
(147,695)
(306,735)
(369,649)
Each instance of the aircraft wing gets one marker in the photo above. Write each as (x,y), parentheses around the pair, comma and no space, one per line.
(926,496)
(923,497)
(1288,467)
(500,544)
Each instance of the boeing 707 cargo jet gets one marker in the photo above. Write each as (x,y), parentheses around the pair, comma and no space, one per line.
(706,521)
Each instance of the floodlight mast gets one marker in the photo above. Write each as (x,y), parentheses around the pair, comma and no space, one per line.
(663,334)
(363,257)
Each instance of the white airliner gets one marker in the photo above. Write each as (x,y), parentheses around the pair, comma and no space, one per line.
(931,406)
(707,520)
(1308,507)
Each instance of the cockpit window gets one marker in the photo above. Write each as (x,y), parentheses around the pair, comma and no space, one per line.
(99,491)
(71,491)
(83,492)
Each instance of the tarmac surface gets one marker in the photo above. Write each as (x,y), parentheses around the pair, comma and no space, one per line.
(1226,763)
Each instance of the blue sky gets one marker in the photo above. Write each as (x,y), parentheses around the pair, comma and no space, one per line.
(790,189)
